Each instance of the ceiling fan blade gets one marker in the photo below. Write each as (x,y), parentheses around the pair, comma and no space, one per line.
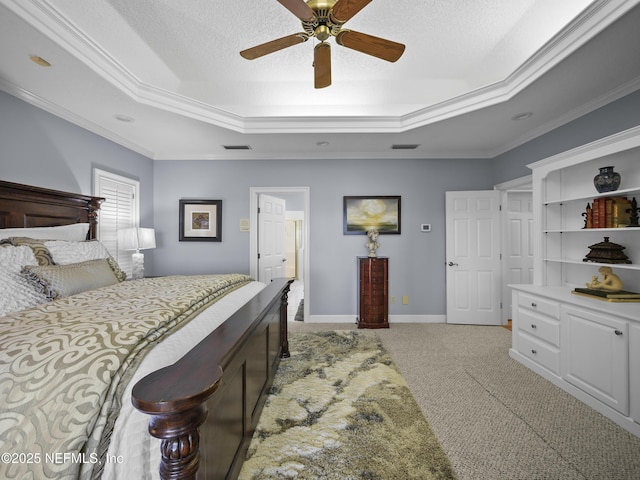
(274,45)
(322,65)
(299,8)
(375,46)
(344,10)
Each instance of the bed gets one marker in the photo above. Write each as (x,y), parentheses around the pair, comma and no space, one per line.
(188,358)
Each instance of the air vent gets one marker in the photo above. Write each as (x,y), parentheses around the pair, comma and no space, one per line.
(408,146)
(236,147)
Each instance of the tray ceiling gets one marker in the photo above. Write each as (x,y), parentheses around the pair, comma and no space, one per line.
(172,71)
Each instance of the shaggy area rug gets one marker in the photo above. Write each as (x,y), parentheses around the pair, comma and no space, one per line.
(339,409)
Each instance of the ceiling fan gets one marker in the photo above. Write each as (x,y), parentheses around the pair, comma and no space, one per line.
(324,19)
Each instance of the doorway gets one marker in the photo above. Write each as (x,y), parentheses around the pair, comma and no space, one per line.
(480,293)
(473,257)
(297,206)
(517,238)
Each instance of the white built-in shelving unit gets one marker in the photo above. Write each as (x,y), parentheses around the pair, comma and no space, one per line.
(587,346)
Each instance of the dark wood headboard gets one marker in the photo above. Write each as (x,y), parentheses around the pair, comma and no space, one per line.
(25,206)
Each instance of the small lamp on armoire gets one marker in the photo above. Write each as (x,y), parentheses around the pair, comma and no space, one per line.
(137,239)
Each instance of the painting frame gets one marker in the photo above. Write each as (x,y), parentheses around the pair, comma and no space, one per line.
(366,212)
(200,220)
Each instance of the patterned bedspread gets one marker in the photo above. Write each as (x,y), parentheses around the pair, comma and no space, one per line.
(63,365)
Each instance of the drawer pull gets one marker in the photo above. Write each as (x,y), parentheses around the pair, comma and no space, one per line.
(534,351)
(618,332)
(534,326)
(534,305)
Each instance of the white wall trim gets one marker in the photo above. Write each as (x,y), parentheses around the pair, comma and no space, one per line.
(392,318)
(518,184)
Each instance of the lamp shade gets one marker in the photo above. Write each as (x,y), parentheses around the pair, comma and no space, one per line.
(136,238)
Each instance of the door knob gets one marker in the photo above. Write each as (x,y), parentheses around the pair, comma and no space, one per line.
(451,264)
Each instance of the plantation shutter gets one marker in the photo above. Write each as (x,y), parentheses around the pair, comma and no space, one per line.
(118,211)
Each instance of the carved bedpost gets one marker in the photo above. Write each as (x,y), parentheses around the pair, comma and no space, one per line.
(94,207)
(284,331)
(180,442)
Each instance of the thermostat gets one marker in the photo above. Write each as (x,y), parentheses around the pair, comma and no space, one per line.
(425,227)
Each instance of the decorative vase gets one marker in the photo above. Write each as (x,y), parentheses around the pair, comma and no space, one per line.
(607,180)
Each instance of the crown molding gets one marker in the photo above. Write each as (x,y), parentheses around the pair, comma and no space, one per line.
(71,117)
(43,15)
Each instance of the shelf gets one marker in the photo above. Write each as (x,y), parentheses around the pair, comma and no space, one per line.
(574,261)
(594,230)
(564,186)
(617,193)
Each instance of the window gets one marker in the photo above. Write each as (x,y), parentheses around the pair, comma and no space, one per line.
(119,210)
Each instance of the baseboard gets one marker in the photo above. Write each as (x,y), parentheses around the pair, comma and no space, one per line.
(417,319)
(392,319)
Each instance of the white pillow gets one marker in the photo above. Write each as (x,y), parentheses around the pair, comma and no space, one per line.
(66,253)
(74,232)
(17,291)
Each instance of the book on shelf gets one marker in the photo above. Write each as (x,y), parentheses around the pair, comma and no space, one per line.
(622,294)
(608,212)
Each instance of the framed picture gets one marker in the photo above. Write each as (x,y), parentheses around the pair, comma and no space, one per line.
(201,220)
(365,213)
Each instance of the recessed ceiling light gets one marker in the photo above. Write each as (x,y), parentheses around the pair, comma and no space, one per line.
(124,118)
(39,60)
(522,116)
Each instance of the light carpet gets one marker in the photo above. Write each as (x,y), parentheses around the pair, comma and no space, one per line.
(339,409)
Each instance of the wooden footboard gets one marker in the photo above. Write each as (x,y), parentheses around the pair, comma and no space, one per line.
(205,407)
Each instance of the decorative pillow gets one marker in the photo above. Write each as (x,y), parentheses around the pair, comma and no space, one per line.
(65,253)
(39,250)
(75,232)
(57,281)
(17,291)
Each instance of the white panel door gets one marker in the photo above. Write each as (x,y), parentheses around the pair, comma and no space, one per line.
(518,250)
(473,257)
(271,238)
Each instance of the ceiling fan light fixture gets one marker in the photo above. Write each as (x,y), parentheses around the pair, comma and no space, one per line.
(324,19)
(323,33)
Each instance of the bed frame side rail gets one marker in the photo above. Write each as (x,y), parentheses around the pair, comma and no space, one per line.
(215,373)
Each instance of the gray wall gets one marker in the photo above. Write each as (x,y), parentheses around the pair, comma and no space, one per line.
(37,148)
(614,117)
(416,258)
(40,149)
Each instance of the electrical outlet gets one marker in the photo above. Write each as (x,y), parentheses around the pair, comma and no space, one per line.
(405,299)
(393,299)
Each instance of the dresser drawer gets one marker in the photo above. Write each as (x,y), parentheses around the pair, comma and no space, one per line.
(540,326)
(541,353)
(539,304)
